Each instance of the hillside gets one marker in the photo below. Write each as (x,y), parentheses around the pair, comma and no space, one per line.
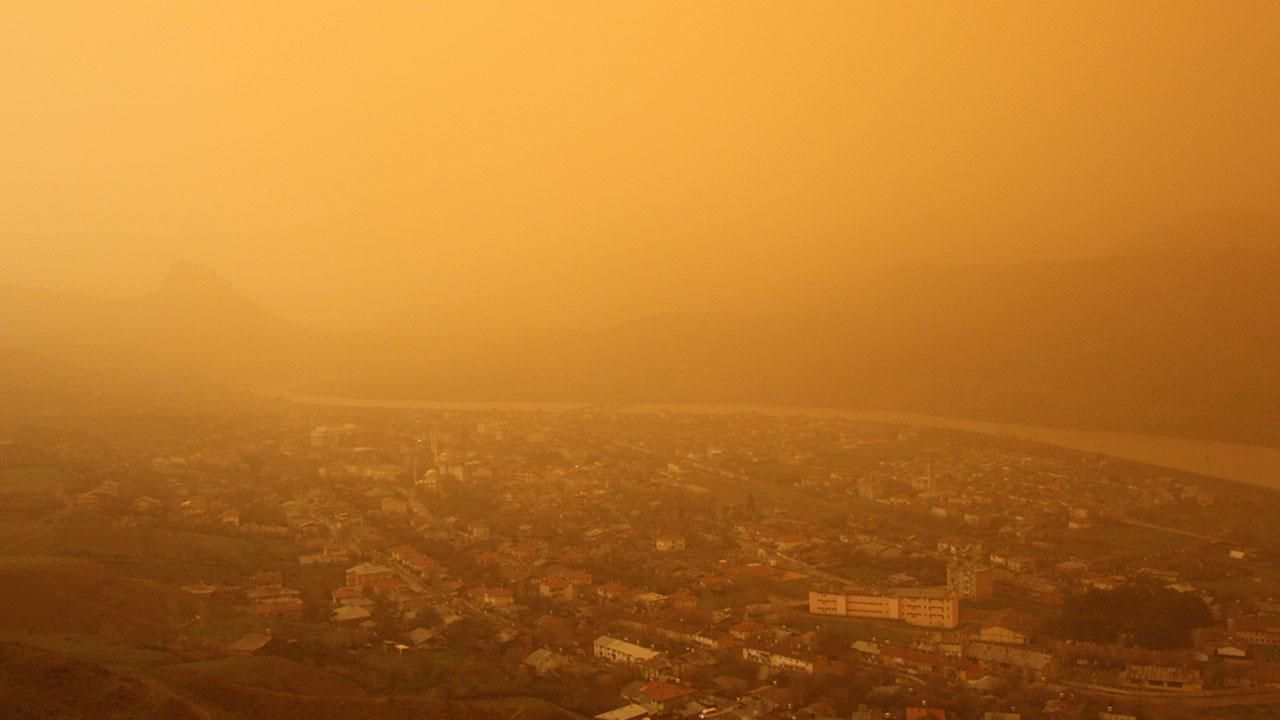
(40,683)
(194,329)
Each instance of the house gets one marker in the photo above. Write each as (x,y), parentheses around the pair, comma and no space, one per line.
(146,505)
(712,640)
(713,582)
(1159,677)
(421,637)
(669,543)
(579,578)
(347,595)
(555,588)
(249,644)
(267,577)
(1010,628)
(367,574)
(762,701)
(1072,567)
(1256,630)
(613,591)
(545,662)
(660,695)
(748,630)
(867,649)
(650,599)
(683,601)
(275,601)
(622,652)
(349,613)
(626,712)
(785,660)
(491,596)
(1009,659)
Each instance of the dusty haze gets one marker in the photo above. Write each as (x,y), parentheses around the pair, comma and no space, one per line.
(583,163)
(554,360)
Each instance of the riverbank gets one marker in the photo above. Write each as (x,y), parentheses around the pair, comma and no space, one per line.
(1252,464)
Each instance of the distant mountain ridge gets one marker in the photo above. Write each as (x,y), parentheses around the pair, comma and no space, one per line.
(1182,343)
(192,338)
(1179,342)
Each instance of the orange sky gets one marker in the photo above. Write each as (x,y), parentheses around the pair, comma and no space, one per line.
(562,162)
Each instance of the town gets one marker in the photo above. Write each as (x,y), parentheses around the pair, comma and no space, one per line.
(627,564)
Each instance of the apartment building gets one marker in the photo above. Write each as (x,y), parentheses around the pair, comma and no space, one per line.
(923,607)
(971,581)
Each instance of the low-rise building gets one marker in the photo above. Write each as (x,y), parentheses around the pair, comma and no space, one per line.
(787,660)
(1011,659)
(367,574)
(1159,677)
(620,651)
(669,542)
(491,596)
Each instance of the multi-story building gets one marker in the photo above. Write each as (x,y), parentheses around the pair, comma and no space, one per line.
(970,581)
(924,607)
(863,605)
(931,607)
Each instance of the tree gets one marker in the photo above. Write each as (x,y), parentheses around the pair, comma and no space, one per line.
(1153,617)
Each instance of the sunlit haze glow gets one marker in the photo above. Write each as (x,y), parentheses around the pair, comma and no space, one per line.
(558,164)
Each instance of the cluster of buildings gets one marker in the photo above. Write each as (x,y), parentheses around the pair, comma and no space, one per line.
(720,566)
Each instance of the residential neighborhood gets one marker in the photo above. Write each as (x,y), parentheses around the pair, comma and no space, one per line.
(628,564)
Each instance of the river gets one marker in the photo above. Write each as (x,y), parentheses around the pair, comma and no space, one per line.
(1251,464)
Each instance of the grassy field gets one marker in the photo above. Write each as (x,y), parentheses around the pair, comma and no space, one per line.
(92,648)
(178,546)
(1121,539)
(38,682)
(852,629)
(862,573)
(268,673)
